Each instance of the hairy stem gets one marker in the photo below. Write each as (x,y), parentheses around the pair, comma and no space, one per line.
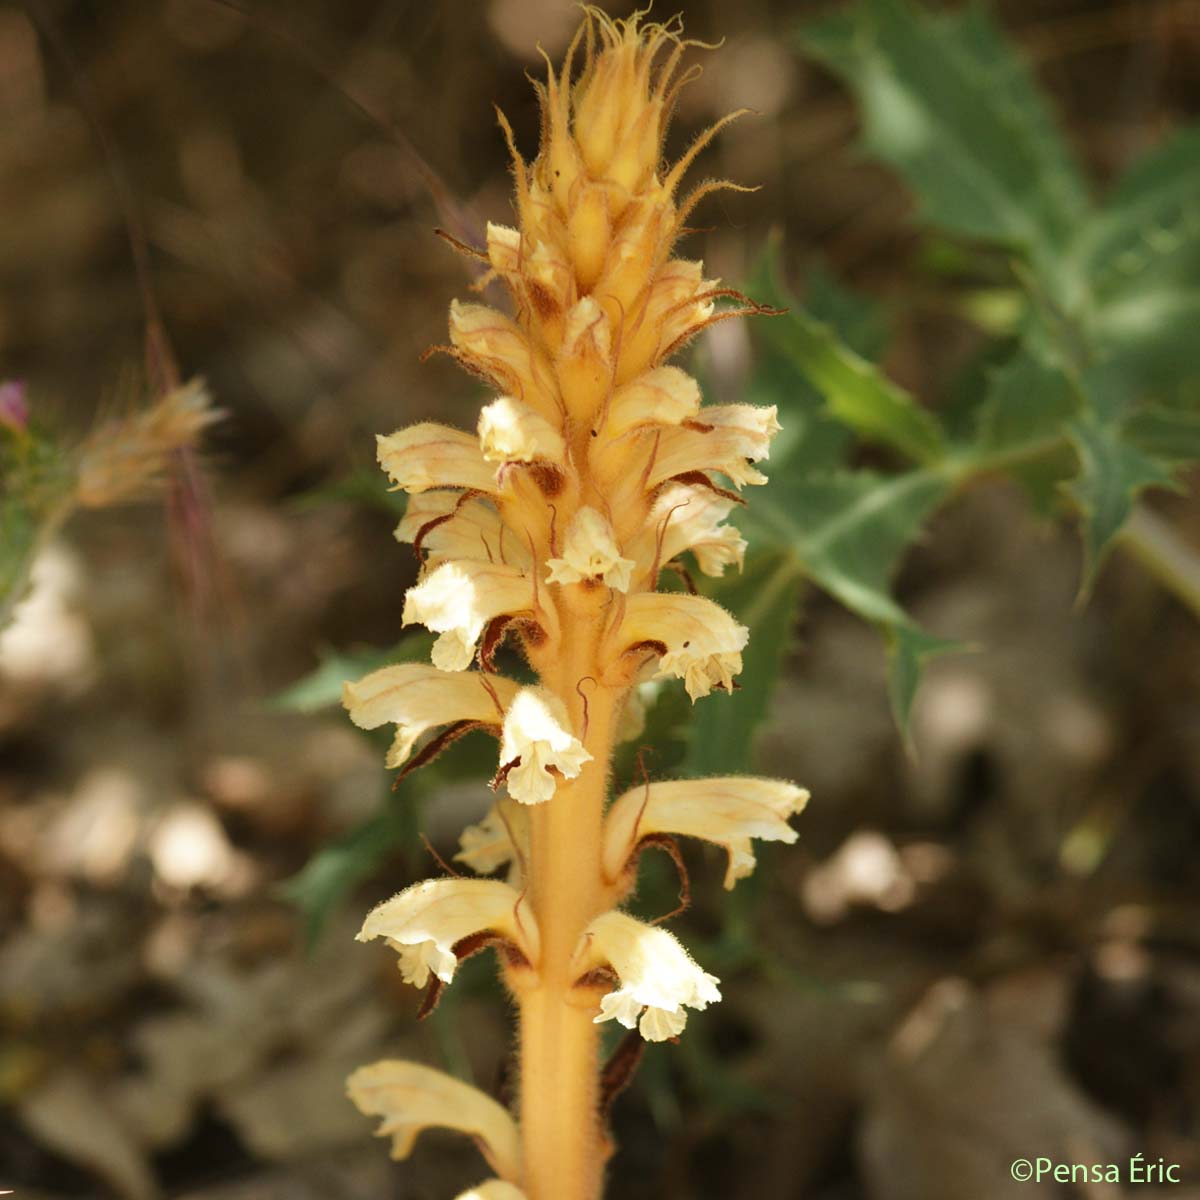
(559,1064)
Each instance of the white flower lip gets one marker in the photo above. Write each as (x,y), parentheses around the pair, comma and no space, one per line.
(657,976)
(428,456)
(425,922)
(590,551)
(537,732)
(417,697)
(727,811)
(411,1097)
(703,642)
(510,431)
(457,599)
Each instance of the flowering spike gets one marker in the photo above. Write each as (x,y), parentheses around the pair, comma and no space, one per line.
(594,465)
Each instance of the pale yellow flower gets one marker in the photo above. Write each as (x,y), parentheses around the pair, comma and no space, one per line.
(457,600)
(657,976)
(455,526)
(434,456)
(425,922)
(510,431)
(590,552)
(584,364)
(495,347)
(724,438)
(689,517)
(411,1097)
(537,737)
(727,811)
(663,396)
(417,697)
(701,643)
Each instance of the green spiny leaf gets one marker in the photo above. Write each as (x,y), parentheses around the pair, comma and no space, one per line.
(909,649)
(811,438)
(856,392)
(849,531)
(1111,474)
(948,102)
(1029,401)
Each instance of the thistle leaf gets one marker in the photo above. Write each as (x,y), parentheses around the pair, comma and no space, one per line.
(1112,472)
(948,102)
(849,531)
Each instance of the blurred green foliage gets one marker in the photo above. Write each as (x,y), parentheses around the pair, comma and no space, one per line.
(1088,392)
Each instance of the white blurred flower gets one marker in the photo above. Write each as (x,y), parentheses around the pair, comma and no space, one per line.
(411,1097)
(488,844)
(493,1189)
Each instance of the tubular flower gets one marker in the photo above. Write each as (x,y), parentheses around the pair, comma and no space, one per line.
(657,977)
(458,599)
(425,923)
(687,518)
(698,641)
(448,525)
(411,1098)
(593,465)
(416,697)
(727,812)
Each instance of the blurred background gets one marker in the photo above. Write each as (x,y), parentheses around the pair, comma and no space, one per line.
(985,950)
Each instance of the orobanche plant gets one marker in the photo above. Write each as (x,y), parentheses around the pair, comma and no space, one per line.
(593,468)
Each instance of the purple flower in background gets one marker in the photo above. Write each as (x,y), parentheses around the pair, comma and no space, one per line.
(14,408)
